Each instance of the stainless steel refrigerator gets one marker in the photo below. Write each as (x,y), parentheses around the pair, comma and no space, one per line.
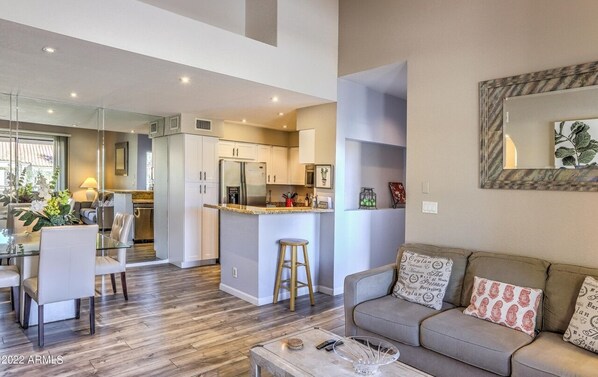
(243,183)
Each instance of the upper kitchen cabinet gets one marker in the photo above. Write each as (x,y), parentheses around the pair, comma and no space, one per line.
(276,159)
(201,158)
(236,150)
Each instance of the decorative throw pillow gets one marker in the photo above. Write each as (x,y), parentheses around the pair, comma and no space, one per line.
(505,304)
(423,279)
(583,328)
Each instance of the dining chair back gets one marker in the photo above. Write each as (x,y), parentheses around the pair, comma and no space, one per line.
(107,265)
(66,272)
(66,263)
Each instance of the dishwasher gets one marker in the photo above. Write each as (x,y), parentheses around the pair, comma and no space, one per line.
(144,222)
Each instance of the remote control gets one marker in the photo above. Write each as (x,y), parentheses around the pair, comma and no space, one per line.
(325,343)
(331,346)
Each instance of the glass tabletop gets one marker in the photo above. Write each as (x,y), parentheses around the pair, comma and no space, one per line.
(27,244)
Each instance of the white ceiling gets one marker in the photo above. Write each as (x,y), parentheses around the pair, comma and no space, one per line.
(116,79)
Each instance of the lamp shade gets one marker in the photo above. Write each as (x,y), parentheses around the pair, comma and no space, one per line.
(90,182)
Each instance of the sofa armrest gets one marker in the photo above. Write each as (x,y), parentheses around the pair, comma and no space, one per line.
(364,286)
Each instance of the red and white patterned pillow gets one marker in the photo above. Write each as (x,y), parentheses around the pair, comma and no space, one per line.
(506,304)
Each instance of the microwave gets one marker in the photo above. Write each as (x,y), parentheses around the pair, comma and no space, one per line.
(310,175)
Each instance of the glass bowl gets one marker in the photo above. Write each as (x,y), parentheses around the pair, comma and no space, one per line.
(366,353)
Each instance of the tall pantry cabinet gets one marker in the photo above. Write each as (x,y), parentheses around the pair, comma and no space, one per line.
(192,182)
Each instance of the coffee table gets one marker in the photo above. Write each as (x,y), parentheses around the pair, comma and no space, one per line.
(279,360)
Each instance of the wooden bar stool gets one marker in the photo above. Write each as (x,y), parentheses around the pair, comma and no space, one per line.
(291,264)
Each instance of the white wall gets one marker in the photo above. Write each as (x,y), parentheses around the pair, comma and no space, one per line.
(451,46)
(364,239)
(304,60)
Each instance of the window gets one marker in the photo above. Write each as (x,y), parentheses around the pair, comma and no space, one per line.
(30,155)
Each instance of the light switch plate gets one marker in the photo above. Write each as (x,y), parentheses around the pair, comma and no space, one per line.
(430,207)
(425,187)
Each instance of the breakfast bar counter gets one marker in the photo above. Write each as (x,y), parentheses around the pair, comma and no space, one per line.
(253,210)
(249,246)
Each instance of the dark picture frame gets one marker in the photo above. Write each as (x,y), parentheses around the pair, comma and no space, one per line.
(121,158)
(397,192)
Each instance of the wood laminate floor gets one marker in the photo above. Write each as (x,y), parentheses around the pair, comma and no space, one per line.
(176,323)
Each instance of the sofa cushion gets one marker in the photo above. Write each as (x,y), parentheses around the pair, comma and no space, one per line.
(549,355)
(393,318)
(473,341)
(89,214)
(562,288)
(505,304)
(583,328)
(423,279)
(459,258)
(512,269)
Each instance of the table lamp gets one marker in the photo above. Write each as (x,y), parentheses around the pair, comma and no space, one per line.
(90,184)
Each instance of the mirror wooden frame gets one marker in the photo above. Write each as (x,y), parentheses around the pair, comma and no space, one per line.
(492,96)
(121,158)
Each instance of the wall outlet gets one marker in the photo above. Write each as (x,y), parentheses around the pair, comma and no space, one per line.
(235,272)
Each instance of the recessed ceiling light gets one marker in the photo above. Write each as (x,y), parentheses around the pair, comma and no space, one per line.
(74,125)
(49,50)
(132,131)
(280,114)
(74,94)
(185,79)
(50,111)
(284,126)
(244,120)
(274,99)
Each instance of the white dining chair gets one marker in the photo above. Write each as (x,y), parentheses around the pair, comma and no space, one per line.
(66,272)
(10,278)
(108,265)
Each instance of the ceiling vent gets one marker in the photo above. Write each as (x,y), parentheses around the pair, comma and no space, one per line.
(203,124)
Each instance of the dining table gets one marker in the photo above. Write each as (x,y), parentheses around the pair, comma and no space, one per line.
(27,244)
(22,249)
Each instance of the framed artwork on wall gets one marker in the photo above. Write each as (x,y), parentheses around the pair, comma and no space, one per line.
(121,158)
(397,192)
(324,177)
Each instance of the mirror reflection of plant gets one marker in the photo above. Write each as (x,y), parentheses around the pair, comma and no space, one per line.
(20,188)
(584,147)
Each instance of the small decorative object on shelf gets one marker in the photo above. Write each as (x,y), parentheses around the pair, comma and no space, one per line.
(397,191)
(367,198)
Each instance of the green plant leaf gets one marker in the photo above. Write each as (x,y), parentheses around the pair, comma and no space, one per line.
(582,139)
(593,145)
(578,127)
(563,152)
(561,125)
(587,156)
(569,161)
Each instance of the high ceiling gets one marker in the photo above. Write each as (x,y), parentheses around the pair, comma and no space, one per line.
(116,79)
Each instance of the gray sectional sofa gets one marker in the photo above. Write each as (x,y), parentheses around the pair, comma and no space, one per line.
(447,342)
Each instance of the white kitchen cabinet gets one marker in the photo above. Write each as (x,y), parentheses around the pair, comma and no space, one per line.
(276,159)
(192,229)
(201,158)
(296,170)
(237,150)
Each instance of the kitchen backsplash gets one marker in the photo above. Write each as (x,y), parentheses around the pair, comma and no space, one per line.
(278,190)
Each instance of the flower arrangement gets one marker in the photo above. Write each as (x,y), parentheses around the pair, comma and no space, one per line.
(24,193)
(50,207)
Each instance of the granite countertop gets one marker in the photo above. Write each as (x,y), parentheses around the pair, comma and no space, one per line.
(251,210)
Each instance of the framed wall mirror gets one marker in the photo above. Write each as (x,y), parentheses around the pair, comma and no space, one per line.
(539,130)
(121,159)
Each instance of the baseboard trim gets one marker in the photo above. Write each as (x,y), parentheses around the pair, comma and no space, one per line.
(284,295)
